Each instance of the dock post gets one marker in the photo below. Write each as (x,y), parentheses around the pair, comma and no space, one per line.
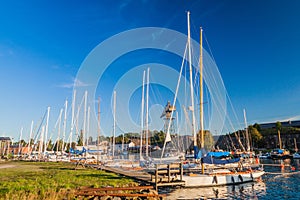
(181,171)
(156,177)
(169,173)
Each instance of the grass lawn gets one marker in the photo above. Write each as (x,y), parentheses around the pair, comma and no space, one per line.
(50,180)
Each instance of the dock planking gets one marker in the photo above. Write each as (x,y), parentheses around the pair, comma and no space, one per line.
(164,175)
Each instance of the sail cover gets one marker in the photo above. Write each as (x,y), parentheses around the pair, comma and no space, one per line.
(218,154)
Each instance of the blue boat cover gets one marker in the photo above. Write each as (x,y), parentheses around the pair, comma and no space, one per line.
(197,153)
(211,160)
(73,151)
(218,154)
(279,151)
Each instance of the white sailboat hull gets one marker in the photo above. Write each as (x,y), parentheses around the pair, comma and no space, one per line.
(206,180)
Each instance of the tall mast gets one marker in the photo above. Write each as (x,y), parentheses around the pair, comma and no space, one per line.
(46,130)
(72,118)
(201,91)
(279,139)
(84,118)
(239,141)
(147,112)
(20,145)
(58,135)
(123,138)
(191,83)
(177,124)
(76,127)
(30,136)
(88,126)
(142,115)
(41,141)
(232,144)
(296,148)
(65,126)
(114,127)
(247,135)
(98,139)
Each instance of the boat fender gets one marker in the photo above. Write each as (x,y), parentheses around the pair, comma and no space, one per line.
(293,168)
(257,160)
(232,179)
(215,179)
(241,178)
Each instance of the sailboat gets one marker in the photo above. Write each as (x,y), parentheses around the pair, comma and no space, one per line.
(280,153)
(296,155)
(212,176)
(165,158)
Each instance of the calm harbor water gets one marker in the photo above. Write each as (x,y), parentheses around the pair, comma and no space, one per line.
(277,183)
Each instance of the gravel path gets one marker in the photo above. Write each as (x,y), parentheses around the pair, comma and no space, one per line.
(6,166)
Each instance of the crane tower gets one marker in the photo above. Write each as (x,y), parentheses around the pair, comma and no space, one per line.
(168,118)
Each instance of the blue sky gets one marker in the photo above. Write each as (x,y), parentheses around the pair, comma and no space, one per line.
(43,44)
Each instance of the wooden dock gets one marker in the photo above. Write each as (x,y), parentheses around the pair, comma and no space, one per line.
(162,176)
(167,175)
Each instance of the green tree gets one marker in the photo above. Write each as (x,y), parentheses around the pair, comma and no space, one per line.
(49,145)
(132,135)
(118,139)
(158,138)
(255,135)
(73,145)
(208,140)
(80,139)
(31,141)
(23,143)
(278,125)
(257,126)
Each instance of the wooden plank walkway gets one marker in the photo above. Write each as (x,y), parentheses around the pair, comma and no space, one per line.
(162,176)
(139,175)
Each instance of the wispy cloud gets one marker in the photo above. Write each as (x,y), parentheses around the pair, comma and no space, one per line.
(75,82)
(292,118)
(279,118)
(79,83)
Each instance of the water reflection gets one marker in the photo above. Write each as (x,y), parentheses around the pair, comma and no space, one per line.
(278,183)
(282,183)
(243,191)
